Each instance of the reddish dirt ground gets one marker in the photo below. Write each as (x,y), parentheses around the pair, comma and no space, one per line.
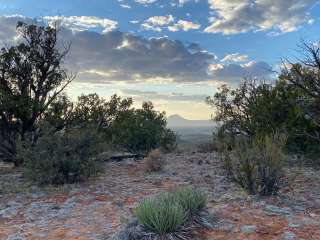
(97,209)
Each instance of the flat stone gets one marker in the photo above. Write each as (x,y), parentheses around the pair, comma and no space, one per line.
(294,225)
(224,226)
(275,210)
(289,236)
(16,237)
(302,222)
(248,228)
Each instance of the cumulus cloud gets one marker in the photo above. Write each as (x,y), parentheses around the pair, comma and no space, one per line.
(8,27)
(235,57)
(81,23)
(121,56)
(156,23)
(237,16)
(231,72)
(184,25)
(110,56)
(181,3)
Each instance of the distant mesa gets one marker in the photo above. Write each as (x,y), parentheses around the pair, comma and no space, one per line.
(176,121)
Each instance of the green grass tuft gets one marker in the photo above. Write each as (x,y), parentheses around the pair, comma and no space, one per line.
(161,215)
(192,200)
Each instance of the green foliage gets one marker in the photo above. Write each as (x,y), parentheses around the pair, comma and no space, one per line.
(258,109)
(169,212)
(290,105)
(192,200)
(31,78)
(60,114)
(251,109)
(94,111)
(161,215)
(257,165)
(62,157)
(141,130)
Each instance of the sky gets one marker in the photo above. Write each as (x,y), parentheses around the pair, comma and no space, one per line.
(171,52)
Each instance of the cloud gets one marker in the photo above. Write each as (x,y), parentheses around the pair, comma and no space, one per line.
(238,16)
(118,56)
(156,22)
(114,56)
(231,72)
(8,27)
(145,2)
(184,25)
(81,23)
(235,57)
(181,3)
(125,6)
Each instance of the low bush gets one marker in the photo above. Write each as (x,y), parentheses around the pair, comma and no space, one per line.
(257,165)
(170,215)
(192,200)
(62,157)
(161,215)
(154,162)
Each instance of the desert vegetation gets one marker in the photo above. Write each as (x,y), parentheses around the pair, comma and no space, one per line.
(262,121)
(174,215)
(53,140)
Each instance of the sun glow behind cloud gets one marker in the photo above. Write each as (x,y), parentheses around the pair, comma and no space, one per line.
(172,52)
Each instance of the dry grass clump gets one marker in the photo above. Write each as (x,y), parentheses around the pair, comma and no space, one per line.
(257,165)
(154,161)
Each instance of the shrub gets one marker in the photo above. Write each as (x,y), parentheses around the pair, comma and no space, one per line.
(161,215)
(62,157)
(168,216)
(141,130)
(192,200)
(154,162)
(272,159)
(257,165)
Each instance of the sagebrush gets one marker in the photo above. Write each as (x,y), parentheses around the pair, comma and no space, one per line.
(257,164)
(62,157)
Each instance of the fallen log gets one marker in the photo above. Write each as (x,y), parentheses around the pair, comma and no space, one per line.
(121,157)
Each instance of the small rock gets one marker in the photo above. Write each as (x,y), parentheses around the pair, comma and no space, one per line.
(224,226)
(289,236)
(275,210)
(294,225)
(16,237)
(248,228)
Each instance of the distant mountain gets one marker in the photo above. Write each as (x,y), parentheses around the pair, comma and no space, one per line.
(176,121)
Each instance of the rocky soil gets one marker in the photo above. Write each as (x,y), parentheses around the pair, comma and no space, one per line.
(98,209)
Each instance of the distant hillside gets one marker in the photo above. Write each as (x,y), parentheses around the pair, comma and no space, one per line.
(176,121)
